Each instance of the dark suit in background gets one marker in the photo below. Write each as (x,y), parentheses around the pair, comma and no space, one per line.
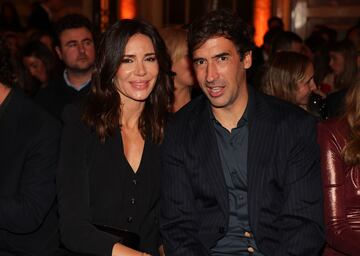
(57,95)
(283,181)
(29,140)
(39,18)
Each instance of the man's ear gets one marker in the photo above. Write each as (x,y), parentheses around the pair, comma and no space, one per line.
(58,51)
(247,59)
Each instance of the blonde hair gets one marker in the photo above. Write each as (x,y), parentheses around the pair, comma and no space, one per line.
(176,42)
(351,150)
(285,70)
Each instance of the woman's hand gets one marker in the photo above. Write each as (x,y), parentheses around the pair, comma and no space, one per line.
(122,250)
(161,250)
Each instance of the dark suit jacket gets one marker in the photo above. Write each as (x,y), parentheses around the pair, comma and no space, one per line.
(29,140)
(284,181)
(57,95)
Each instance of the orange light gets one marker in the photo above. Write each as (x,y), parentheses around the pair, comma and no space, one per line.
(127,9)
(262,12)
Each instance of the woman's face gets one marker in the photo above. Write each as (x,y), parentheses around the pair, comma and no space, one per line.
(305,87)
(36,68)
(138,71)
(184,74)
(337,62)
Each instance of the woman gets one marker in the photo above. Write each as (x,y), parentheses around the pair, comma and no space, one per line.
(40,65)
(343,62)
(176,42)
(339,141)
(109,180)
(290,77)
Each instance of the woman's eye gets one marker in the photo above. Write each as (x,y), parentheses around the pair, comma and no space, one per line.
(126,60)
(151,59)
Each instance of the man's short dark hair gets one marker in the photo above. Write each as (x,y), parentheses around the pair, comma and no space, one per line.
(72,21)
(221,23)
(283,41)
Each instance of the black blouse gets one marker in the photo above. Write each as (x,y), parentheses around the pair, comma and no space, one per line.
(97,186)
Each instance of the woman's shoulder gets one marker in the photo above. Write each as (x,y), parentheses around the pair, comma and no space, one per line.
(333,124)
(334,129)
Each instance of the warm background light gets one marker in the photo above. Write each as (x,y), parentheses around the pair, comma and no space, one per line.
(262,12)
(127,9)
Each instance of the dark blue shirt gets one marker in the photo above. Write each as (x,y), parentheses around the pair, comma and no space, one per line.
(233,148)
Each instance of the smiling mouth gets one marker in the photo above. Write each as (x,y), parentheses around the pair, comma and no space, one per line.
(139,84)
(215,91)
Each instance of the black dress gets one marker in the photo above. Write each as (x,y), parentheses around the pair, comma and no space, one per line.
(97,186)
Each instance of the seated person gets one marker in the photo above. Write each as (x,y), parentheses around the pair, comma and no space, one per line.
(29,140)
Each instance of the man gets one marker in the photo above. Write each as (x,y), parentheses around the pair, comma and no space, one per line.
(287,41)
(75,47)
(29,139)
(241,169)
(42,14)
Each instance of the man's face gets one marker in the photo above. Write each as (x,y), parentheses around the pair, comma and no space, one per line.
(77,49)
(220,72)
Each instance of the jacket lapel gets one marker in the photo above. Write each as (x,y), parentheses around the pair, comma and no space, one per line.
(9,124)
(260,147)
(205,144)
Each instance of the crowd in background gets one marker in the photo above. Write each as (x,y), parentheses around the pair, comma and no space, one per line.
(56,64)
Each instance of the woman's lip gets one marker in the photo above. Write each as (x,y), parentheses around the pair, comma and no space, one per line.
(139,84)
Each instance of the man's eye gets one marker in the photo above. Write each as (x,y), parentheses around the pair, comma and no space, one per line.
(199,62)
(72,44)
(223,58)
(88,42)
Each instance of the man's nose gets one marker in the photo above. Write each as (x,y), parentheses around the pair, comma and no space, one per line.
(211,72)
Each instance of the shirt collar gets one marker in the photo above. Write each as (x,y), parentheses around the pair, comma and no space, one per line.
(65,75)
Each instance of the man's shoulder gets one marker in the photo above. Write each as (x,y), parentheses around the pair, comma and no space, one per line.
(32,117)
(281,110)
(191,111)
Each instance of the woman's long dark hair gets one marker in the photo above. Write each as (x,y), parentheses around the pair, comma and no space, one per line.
(102,107)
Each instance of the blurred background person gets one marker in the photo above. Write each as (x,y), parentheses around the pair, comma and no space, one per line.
(343,63)
(45,37)
(287,41)
(290,77)
(275,22)
(29,140)
(111,146)
(42,14)
(75,47)
(339,140)
(184,80)
(9,18)
(353,35)
(41,66)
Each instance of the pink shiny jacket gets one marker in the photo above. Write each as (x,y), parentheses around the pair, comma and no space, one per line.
(341,185)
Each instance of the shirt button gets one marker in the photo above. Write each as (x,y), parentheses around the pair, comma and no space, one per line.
(251,250)
(132,201)
(134,181)
(247,234)
(129,219)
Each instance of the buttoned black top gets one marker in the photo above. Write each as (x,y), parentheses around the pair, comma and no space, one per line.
(97,186)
